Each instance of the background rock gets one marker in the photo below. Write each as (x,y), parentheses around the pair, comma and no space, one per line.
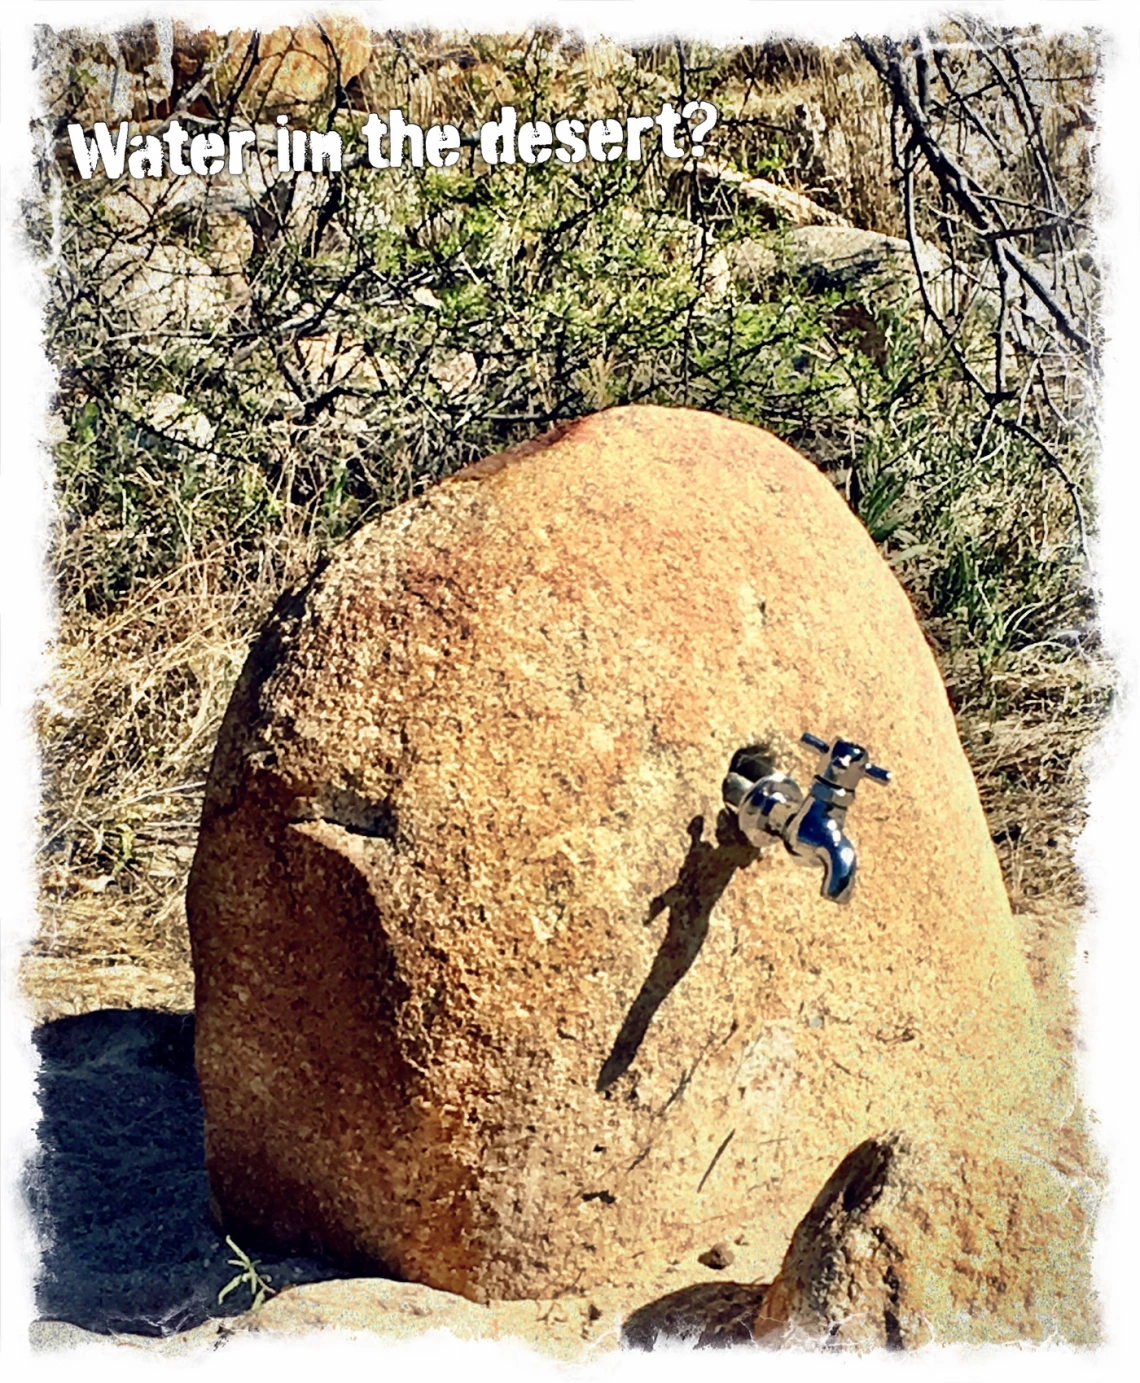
(297,67)
(836,256)
(909,1244)
(111,76)
(487,998)
(842,257)
(167,289)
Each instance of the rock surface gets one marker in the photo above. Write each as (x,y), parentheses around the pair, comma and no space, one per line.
(487,995)
(572,1331)
(296,66)
(843,257)
(911,1244)
(707,1315)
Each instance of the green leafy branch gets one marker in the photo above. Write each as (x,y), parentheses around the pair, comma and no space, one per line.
(249,1276)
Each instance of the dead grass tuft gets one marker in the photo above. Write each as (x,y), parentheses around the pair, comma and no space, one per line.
(127,726)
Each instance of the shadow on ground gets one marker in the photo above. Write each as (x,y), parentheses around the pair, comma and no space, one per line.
(707,1315)
(118,1190)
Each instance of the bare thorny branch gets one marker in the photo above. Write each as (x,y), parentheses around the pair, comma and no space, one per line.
(945,106)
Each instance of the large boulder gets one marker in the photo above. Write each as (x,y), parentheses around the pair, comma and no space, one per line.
(490,994)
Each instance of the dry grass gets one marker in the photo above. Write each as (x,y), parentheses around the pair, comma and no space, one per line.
(816,117)
(127,727)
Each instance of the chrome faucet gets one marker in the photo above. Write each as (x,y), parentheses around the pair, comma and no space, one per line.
(811,827)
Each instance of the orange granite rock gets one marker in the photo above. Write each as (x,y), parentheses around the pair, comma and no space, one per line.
(296,66)
(911,1244)
(489,995)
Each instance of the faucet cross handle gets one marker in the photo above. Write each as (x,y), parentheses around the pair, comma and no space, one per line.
(843,763)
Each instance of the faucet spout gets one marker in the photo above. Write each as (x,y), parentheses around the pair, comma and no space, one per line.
(817,835)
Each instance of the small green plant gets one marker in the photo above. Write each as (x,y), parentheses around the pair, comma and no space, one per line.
(249,1276)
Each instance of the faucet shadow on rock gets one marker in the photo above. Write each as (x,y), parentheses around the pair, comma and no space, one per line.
(703,877)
